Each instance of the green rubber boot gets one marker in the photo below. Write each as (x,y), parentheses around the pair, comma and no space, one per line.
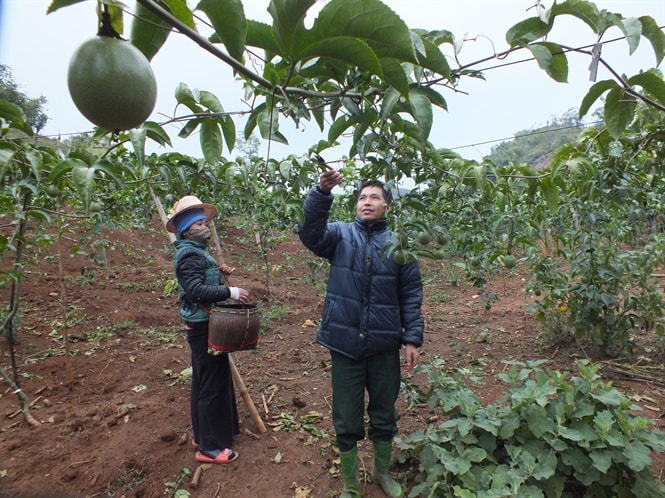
(382,453)
(349,463)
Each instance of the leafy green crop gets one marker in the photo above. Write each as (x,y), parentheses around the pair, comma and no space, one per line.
(552,434)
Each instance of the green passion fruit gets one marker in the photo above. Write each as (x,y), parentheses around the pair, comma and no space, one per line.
(509,261)
(402,257)
(442,239)
(424,238)
(111,83)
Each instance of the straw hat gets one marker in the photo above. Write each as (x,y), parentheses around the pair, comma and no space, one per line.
(188,203)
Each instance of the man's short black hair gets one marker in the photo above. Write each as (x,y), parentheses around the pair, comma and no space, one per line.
(387,194)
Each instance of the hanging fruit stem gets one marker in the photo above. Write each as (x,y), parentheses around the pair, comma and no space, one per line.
(105,26)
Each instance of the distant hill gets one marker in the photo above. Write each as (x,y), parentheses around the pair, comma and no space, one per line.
(535,146)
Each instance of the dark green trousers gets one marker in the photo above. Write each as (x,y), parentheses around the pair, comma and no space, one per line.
(379,375)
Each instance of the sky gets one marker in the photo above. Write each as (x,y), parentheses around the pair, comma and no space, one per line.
(515,96)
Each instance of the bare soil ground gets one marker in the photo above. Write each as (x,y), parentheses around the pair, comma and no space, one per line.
(115,419)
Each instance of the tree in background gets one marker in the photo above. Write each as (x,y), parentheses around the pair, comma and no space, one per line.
(33,108)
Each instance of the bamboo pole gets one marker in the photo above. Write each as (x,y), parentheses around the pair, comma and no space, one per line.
(253,412)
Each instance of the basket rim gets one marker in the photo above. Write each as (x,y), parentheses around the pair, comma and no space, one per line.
(233,311)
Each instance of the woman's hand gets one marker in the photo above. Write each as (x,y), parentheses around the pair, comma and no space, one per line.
(226,269)
(239,294)
(244,296)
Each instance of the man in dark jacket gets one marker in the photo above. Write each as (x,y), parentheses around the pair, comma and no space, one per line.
(372,308)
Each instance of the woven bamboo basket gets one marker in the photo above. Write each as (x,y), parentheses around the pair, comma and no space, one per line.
(233,327)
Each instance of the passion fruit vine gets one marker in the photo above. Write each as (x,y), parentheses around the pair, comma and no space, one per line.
(111,83)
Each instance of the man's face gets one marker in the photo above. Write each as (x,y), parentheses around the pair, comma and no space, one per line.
(371,205)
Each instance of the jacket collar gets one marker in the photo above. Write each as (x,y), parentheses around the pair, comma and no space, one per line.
(187,242)
(377,226)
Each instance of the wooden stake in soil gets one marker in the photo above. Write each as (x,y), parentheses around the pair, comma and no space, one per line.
(237,379)
(253,412)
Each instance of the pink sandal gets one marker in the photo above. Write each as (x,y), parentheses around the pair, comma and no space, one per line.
(226,456)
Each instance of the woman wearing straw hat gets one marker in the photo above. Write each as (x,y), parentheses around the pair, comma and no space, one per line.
(213,404)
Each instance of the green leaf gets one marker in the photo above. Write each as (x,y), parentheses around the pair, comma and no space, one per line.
(35,161)
(210,101)
(526,31)
(349,50)
(551,193)
(638,455)
(64,167)
(602,459)
(652,32)
(260,35)
(40,215)
(354,109)
(148,32)
(58,4)
(434,60)
(390,99)
(371,21)
(211,140)
(610,397)
(583,408)
(364,144)
(434,97)
(289,25)
(285,168)
(546,466)
(594,93)
(632,30)
(15,116)
(421,108)
(83,178)
(137,137)
(317,107)
(410,130)
(463,493)
(394,75)
(228,127)
(528,491)
(268,124)
(576,458)
(112,169)
(339,126)
(228,19)
(155,132)
(652,82)
(185,96)
(252,120)
(538,421)
(182,12)
(578,431)
(189,127)
(7,151)
(584,10)
(552,59)
(115,15)
(457,465)
(618,111)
